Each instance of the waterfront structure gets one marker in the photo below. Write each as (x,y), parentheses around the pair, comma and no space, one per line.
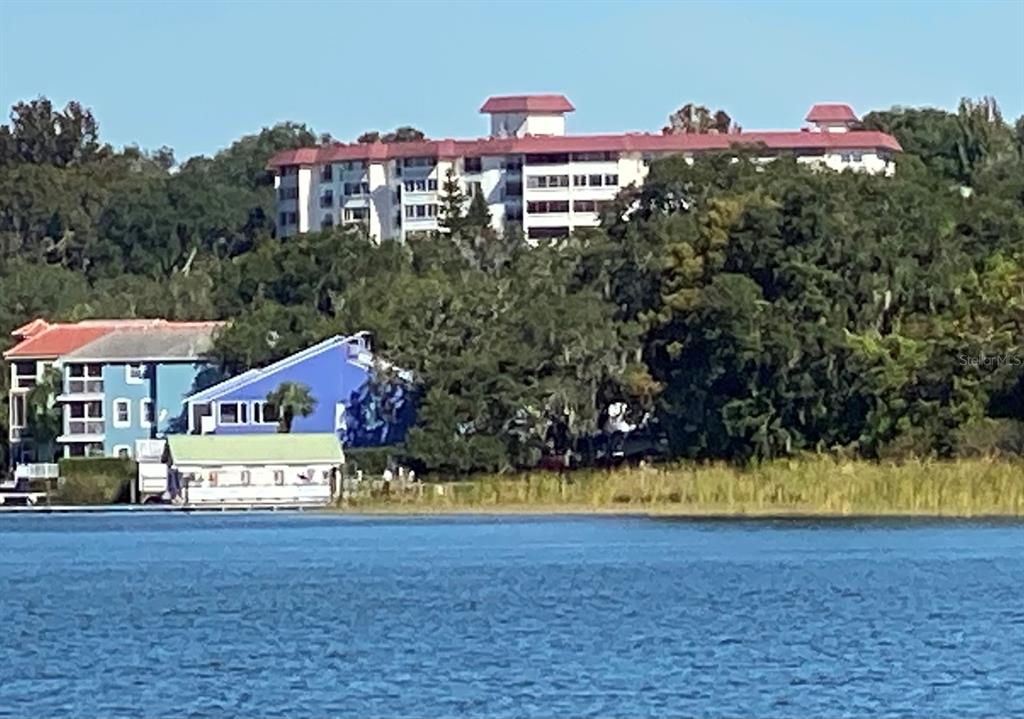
(279,469)
(120,381)
(529,171)
(353,398)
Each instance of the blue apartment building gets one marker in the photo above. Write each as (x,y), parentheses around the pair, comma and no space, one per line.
(128,385)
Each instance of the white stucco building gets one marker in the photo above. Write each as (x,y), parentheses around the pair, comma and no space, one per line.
(529,170)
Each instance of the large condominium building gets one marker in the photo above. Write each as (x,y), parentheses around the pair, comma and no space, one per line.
(529,171)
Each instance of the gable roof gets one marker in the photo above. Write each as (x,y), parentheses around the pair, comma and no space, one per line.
(254,448)
(254,375)
(527,103)
(831,112)
(40,339)
(168,342)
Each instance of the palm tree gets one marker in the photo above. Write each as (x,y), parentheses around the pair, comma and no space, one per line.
(43,416)
(291,400)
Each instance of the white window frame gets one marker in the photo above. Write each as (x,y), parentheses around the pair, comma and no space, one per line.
(143,403)
(257,412)
(117,450)
(121,424)
(241,407)
(129,376)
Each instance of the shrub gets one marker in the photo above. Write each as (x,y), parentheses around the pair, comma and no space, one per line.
(94,480)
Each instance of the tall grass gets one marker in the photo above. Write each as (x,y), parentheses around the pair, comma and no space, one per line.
(814,486)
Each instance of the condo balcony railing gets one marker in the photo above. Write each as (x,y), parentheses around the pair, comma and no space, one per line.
(81,385)
(85,426)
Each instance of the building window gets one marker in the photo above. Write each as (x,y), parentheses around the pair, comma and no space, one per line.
(122,451)
(85,418)
(326,173)
(122,413)
(279,477)
(135,373)
(292,218)
(514,165)
(594,156)
(327,223)
(473,165)
(327,199)
(595,181)
(17,410)
(579,180)
(584,206)
(146,412)
(611,180)
(547,159)
(283,219)
(353,214)
(547,207)
(263,413)
(546,233)
(547,181)
(85,378)
(232,413)
(473,188)
(419,162)
(432,185)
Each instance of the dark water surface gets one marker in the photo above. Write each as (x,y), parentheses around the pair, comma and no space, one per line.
(303,615)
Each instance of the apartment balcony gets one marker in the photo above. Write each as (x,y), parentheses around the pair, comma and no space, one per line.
(83,430)
(82,390)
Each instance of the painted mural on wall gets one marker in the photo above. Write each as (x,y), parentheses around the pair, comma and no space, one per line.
(380,412)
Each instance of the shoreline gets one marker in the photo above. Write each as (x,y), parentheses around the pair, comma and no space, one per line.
(577,511)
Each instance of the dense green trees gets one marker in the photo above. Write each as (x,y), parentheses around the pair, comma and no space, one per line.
(749,311)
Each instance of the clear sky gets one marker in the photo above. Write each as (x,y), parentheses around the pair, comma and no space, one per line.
(197,75)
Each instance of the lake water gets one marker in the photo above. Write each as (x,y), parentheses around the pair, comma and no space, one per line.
(312,615)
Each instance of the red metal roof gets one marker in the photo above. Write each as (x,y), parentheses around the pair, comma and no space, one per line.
(629,142)
(527,103)
(831,112)
(54,340)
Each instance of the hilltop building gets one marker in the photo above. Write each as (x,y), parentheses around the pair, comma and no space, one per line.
(528,169)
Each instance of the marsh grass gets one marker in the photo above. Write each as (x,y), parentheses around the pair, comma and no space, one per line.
(814,486)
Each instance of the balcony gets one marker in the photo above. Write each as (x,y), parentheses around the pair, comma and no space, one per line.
(84,428)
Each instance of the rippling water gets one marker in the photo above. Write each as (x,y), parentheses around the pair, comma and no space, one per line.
(272,615)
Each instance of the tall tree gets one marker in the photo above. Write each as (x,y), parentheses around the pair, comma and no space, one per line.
(697,119)
(453,201)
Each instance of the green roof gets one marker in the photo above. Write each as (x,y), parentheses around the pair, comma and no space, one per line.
(254,448)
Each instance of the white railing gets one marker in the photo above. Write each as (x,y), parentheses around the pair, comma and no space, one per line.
(149,450)
(85,426)
(37,470)
(78,385)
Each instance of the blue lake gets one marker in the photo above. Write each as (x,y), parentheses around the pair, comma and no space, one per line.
(312,615)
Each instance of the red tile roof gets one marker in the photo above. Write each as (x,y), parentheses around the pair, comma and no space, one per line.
(831,112)
(628,142)
(527,103)
(42,339)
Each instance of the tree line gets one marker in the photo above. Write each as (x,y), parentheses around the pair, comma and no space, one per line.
(738,311)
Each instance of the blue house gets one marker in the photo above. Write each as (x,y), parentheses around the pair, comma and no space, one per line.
(362,401)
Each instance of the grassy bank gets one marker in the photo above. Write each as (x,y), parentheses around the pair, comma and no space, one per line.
(812,487)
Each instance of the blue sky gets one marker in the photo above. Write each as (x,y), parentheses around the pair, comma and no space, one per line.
(197,75)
